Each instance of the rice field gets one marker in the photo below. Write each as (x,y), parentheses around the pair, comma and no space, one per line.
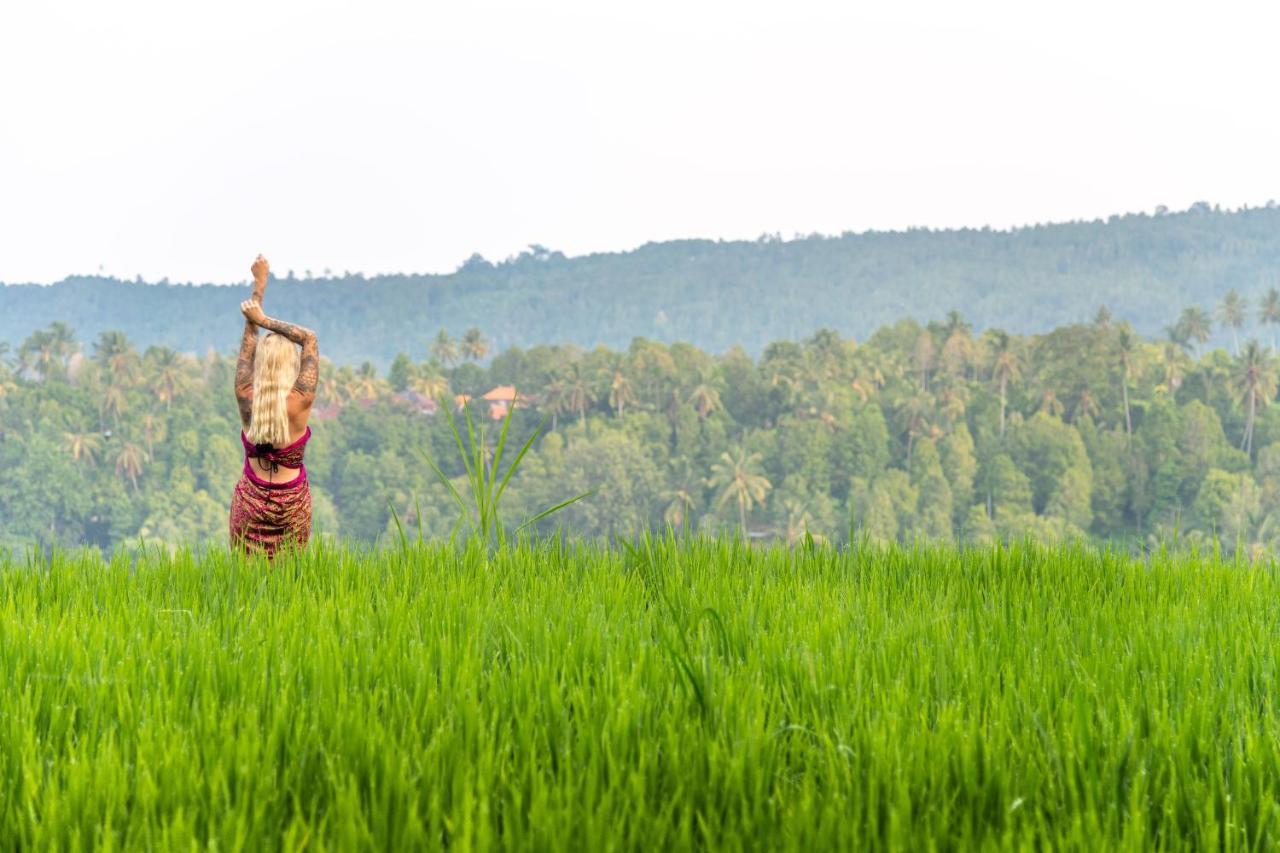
(676,695)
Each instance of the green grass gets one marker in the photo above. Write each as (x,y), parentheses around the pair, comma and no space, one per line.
(679,696)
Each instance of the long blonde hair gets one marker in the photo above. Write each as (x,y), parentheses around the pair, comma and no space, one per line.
(275,369)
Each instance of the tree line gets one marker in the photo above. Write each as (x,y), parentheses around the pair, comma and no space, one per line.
(922,430)
(719,294)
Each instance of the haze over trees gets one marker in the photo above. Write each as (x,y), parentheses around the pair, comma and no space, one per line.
(933,431)
(717,295)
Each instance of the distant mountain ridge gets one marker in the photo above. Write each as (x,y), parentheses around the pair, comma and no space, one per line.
(716,294)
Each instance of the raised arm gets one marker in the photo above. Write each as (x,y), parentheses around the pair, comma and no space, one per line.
(309,369)
(244,372)
(249,345)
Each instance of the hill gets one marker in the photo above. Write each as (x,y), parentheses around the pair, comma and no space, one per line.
(716,294)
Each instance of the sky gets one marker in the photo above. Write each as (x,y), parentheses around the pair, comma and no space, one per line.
(178,140)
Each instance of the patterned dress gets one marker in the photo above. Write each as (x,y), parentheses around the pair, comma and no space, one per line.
(265,515)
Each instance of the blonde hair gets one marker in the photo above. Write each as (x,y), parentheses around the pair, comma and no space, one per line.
(275,368)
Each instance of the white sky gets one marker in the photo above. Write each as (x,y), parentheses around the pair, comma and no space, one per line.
(179,139)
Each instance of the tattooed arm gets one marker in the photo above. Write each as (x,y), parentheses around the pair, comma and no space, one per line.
(244,372)
(309,369)
(249,345)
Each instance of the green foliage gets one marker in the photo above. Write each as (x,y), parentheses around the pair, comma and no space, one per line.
(676,695)
(721,294)
(961,468)
(933,509)
(625,484)
(897,438)
(480,504)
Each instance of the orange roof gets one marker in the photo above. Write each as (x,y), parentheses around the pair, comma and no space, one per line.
(503,393)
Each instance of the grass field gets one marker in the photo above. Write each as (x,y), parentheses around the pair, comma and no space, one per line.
(691,695)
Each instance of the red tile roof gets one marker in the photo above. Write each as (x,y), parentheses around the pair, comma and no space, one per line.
(503,393)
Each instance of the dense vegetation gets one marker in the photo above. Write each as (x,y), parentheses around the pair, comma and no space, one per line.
(692,695)
(716,295)
(917,432)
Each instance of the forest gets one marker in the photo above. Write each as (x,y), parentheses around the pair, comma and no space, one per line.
(921,431)
(715,294)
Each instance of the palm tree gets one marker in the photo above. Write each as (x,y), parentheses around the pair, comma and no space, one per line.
(826,352)
(331,388)
(1177,335)
(923,357)
(83,446)
(63,343)
(368,385)
(783,368)
(957,351)
(705,399)
(738,478)
(555,400)
(1171,362)
(431,385)
(953,398)
(680,501)
(130,461)
(36,355)
(1194,324)
(474,345)
(955,324)
(168,377)
(1050,404)
(578,391)
(621,392)
(1125,345)
(444,349)
(116,356)
(1254,380)
(799,520)
(868,375)
(114,401)
(679,506)
(1004,367)
(1269,313)
(152,430)
(913,412)
(1231,314)
(1086,407)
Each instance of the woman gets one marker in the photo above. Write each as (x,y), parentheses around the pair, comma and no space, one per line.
(275,387)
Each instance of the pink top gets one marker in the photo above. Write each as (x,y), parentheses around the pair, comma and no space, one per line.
(290,457)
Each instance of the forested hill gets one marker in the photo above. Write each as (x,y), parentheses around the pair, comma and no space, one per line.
(1145,268)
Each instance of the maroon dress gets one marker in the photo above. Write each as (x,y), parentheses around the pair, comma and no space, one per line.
(265,514)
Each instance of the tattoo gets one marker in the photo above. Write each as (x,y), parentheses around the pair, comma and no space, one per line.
(244,372)
(309,369)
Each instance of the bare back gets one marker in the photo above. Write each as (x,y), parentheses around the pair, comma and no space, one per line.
(298,408)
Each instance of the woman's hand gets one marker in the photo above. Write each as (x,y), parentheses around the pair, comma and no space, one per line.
(252,311)
(260,270)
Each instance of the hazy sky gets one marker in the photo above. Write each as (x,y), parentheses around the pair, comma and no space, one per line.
(179,139)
